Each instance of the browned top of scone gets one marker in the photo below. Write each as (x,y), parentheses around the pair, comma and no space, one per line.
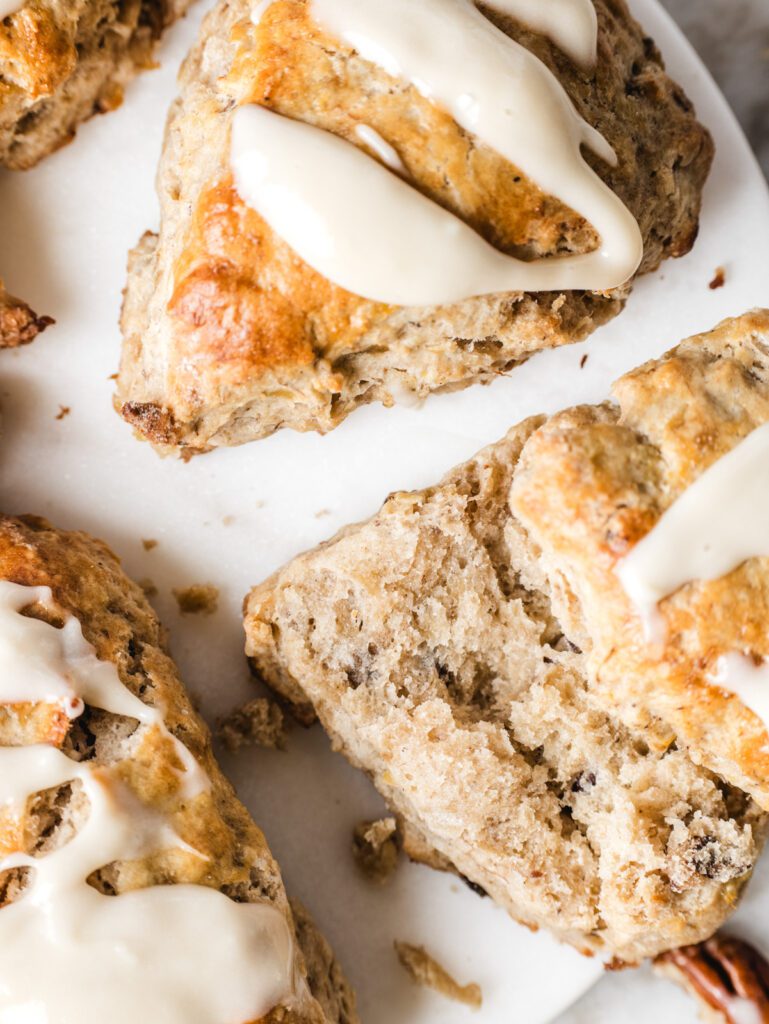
(18,324)
(594,480)
(86,581)
(243,303)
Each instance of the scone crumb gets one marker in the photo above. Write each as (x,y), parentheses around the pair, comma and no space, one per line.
(719,279)
(426,971)
(149,543)
(64,410)
(583,361)
(375,848)
(149,588)
(260,722)
(199,599)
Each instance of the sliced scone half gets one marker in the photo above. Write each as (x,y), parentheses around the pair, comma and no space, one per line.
(433,644)
(18,324)
(345,219)
(134,884)
(62,62)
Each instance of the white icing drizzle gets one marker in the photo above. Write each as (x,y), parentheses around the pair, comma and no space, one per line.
(571,24)
(386,153)
(8,7)
(378,237)
(740,675)
(718,522)
(175,954)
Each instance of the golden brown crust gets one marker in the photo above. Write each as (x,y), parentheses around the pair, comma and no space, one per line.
(594,480)
(62,61)
(86,581)
(18,324)
(229,335)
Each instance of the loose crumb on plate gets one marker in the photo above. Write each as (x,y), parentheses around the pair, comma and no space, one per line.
(64,410)
(426,971)
(149,588)
(375,848)
(199,599)
(260,722)
(719,279)
(149,543)
(582,361)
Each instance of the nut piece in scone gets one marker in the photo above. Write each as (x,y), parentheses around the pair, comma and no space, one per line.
(229,335)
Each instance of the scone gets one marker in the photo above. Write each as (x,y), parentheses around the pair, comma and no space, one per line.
(18,324)
(650,519)
(429,642)
(240,320)
(61,61)
(145,865)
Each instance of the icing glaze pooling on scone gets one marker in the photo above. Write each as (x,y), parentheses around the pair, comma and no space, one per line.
(8,7)
(718,522)
(375,235)
(62,937)
(746,679)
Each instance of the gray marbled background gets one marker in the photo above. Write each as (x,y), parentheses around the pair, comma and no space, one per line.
(733,38)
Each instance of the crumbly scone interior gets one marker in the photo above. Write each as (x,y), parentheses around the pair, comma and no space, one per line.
(224,848)
(426,642)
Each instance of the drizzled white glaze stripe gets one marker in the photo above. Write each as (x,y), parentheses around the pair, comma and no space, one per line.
(718,522)
(386,153)
(8,7)
(71,954)
(570,24)
(499,92)
(749,681)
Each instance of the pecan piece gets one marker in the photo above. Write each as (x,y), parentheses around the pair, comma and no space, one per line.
(728,977)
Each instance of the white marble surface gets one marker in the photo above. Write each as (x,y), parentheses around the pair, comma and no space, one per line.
(732,36)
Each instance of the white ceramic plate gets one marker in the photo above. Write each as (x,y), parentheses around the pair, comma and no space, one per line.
(232,517)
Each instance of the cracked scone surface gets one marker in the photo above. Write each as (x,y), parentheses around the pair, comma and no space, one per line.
(61,61)
(229,336)
(86,581)
(426,642)
(595,480)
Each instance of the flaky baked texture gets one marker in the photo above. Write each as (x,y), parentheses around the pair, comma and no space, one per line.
(87,581)
(428,643)
(61,61)
(229,336)
(18,324)
(594,480)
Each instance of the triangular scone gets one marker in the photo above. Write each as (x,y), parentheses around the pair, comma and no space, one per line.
(62,62)
(193,837)
(230,336)
(18,324)
(595,480)
(428,643)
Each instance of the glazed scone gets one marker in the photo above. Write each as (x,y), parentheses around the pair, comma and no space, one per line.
(428,644)
(229,335)
(594,481)
(61,61)
(18,324)
(148,772)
